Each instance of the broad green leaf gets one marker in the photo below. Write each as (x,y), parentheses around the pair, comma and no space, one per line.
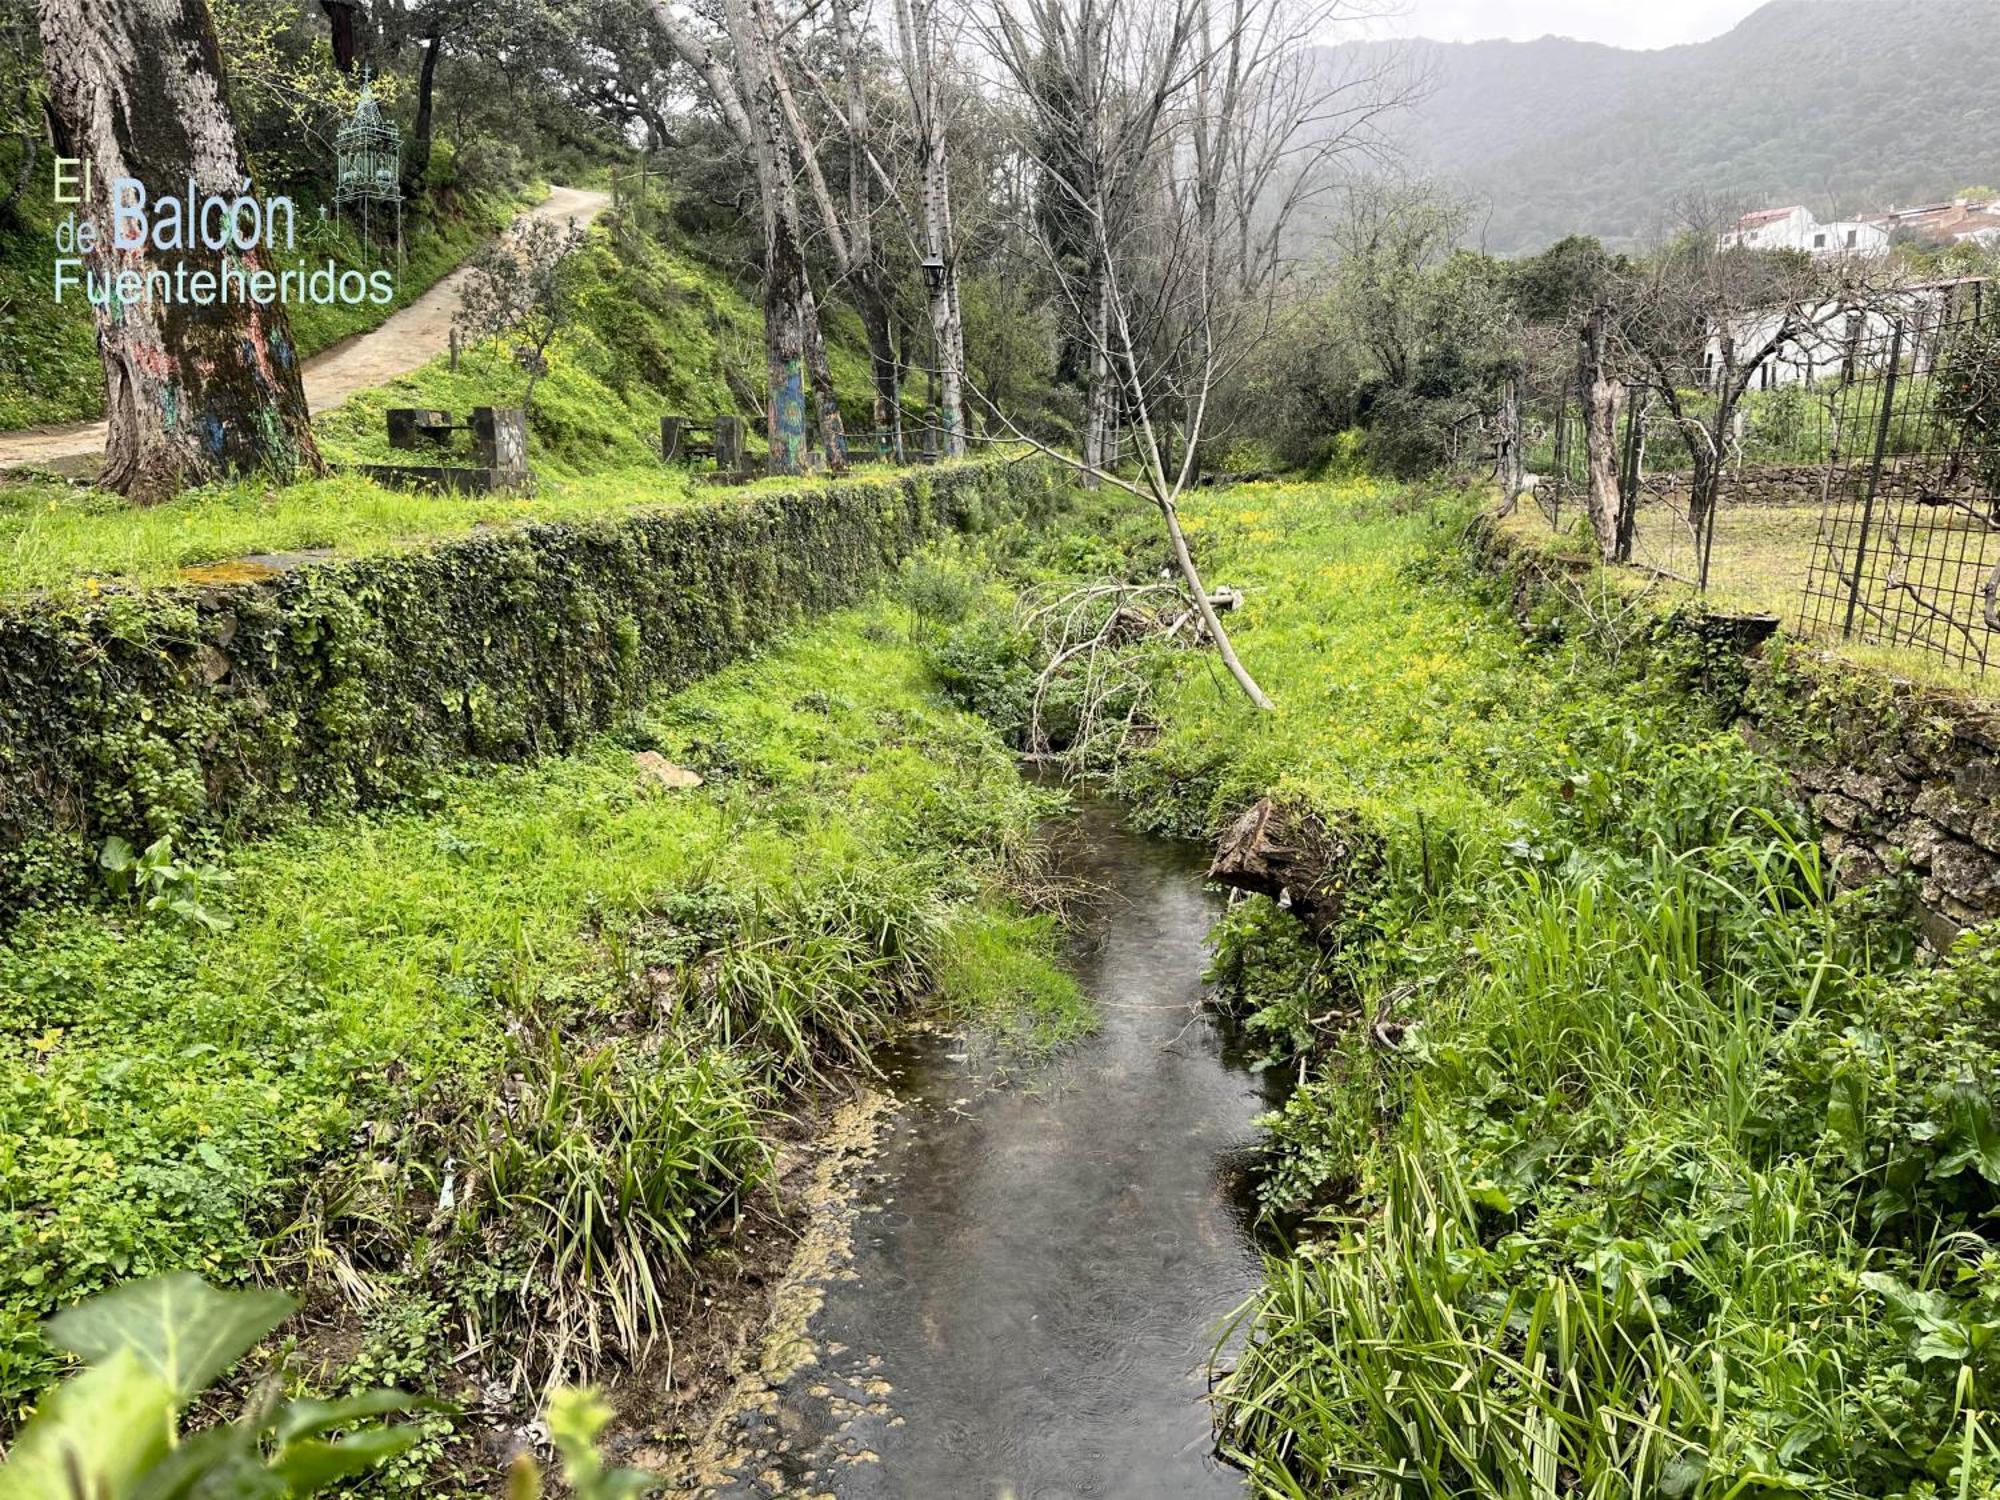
(223,1461)
(109,1424)
(179,1326)
(309,1418)
(310,1465)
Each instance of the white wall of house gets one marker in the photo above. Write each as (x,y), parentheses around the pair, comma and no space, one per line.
(1847,237)
(1791,231)
(1818,354)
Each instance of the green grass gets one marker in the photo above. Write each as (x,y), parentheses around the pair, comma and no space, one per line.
(658,333)
(577,996)
(1761,558)
(1629,1158)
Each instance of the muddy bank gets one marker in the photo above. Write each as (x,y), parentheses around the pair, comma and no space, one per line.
(1018,1291)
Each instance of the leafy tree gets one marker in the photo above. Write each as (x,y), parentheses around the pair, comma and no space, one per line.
(524,288)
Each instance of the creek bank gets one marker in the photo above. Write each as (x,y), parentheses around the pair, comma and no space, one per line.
(1904,778)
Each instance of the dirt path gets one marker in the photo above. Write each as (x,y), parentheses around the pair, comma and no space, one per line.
(412,336)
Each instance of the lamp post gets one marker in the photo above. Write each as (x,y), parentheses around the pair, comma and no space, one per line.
(933,265)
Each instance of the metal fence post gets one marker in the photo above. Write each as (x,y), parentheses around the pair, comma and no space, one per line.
(1874,481)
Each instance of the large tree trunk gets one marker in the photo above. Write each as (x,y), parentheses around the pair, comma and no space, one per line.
(793,346)
(919,45)
(193,392)
(870,297)
(786,331)
(420,132)
(1603,398)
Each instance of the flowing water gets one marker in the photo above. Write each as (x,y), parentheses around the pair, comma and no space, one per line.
(1039,1265)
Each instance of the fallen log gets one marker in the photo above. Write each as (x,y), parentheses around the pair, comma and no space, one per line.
(1298,859)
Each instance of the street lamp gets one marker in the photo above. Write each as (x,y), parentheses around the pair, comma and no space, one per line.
(934,280)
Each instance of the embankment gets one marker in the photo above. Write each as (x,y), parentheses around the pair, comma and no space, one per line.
(211,713)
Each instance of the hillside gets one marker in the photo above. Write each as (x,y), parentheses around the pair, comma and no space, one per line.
(1844,105)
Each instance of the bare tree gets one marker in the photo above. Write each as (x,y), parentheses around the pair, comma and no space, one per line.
(923,51)
(1698,320)
(753,97)
(1174,140)
(194,390)
(864,264)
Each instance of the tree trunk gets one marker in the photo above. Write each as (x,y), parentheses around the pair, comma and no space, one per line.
(870,297)
(1097,385)
(832,430)
(1509,462)
(1205,607)
(193,393)
(793,346)
(785,352)
(420,132)
(1708,454)
(1603,398)
(913,30)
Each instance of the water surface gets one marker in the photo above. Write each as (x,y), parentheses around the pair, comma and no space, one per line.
(1040,1263)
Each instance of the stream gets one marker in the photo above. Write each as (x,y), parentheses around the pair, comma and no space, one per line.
(1039,1264)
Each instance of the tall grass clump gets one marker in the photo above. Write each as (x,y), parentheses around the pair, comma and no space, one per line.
(1628,1153)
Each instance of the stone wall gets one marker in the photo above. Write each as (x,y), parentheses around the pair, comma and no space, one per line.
(1765,484)
(1905,779)
(213,711)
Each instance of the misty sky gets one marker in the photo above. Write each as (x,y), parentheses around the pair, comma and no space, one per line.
(1623,23)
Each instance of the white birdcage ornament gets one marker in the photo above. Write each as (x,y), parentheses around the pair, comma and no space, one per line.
(367,166)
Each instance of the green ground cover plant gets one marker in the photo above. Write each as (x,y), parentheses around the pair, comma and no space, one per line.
(1628,1155)
(659,332)
(499,1061)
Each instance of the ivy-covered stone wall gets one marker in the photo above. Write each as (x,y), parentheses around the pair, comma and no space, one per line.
(1905,779)
(209,713)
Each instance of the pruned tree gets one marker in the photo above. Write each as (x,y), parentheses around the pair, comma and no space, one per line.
(194,391)
(1602,396)
(1173,140)
(523,290)
(1696,321)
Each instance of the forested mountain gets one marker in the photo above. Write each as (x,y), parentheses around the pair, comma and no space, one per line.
(1844,105)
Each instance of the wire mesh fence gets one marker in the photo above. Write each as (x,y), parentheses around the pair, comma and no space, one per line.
(1908,547)
(1860,498)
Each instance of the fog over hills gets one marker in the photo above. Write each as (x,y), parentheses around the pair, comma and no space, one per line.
(1843,105)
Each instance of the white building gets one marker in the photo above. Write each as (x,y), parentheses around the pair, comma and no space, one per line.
(1795,228)
(1838,338)
(1773,229)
